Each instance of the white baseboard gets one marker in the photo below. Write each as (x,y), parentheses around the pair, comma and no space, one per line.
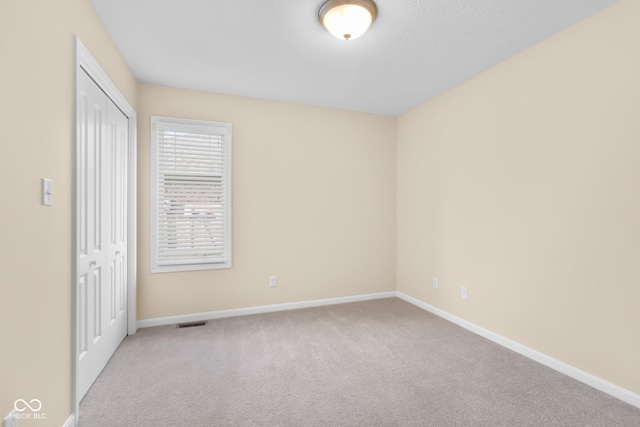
(564,368)
(198,317)
(71,422)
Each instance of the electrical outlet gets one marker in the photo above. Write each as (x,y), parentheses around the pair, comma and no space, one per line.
(273,281)
(464,293)
(11,420)
(436,284)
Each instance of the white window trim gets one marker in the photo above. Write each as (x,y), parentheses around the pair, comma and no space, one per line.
(193,124)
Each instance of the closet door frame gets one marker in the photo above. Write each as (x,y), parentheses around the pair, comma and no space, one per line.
(84,62)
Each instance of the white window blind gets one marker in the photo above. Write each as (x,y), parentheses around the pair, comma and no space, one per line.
(191,182)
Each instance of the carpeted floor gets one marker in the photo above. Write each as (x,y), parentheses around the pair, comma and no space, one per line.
(374,363)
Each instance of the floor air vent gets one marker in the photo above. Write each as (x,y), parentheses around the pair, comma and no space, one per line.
(191,324)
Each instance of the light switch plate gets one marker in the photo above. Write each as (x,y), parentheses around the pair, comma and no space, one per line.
(47,192)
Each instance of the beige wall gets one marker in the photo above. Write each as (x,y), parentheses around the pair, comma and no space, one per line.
(313,203)
(36,113)
(523,184)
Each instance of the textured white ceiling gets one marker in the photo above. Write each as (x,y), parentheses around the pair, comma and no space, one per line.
(277,49)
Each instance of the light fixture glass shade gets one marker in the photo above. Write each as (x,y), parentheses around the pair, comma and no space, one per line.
(347,19)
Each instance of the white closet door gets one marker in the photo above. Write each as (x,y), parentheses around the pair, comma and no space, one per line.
(101,230)
(117,149)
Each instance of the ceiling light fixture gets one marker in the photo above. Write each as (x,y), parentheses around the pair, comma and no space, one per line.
(347,19)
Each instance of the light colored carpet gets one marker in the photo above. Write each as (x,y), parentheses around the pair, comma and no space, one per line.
(374,363)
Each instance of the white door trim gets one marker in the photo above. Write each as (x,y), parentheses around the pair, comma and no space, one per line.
(84,61)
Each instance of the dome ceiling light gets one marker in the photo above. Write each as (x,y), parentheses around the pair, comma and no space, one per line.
(347,19)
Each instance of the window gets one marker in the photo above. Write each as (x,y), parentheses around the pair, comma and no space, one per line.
(190,195)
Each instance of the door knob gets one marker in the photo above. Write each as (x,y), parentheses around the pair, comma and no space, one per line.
(92,263)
